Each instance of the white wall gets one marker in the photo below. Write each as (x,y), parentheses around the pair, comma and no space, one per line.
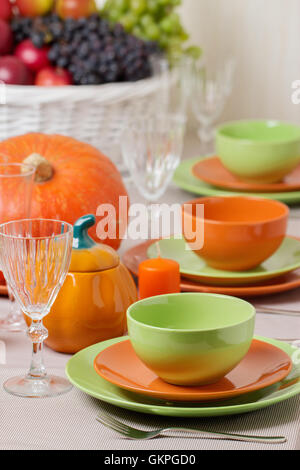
(264,35)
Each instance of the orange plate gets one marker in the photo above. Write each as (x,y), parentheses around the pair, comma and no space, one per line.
(264,365)
(133,257)
(212,171)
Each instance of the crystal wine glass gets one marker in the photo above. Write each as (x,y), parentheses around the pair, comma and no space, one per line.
(35,256)
(16,184)
(175,83)
(152,148)
(211,88)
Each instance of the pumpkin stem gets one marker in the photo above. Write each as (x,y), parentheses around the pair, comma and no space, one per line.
(43,169)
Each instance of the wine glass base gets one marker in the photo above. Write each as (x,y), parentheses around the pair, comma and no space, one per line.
(206,136)
(50,386)
(13,326)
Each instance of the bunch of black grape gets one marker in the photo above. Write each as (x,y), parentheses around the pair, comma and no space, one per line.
(93,50)
(21,28)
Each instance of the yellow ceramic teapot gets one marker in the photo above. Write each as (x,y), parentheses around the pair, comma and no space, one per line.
(91,305)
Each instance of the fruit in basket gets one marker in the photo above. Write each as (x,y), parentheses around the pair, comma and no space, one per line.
(75,8)
(72,178)
(154,20)
(34,8)
(91,49)
(34,58)
(13,71)
(29,77)
(21,27)
(5,10)
(99,52)
(138,7)
(6,38)
(53,76)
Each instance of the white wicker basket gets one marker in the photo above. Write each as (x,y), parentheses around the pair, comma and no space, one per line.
(93,114)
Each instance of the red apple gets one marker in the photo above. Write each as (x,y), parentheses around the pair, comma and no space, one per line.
(13,71)
(6,38)
(75,8)
(34,7)
(35,59)
(5,10)
(30,76)
(53,76)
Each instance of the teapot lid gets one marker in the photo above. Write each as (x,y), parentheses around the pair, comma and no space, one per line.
(87,255)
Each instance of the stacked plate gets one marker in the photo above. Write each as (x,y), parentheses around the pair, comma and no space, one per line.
(112,372)
(207,176)
(279,273)
(182,340)
(257,158)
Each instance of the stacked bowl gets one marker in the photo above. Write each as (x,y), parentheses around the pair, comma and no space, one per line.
(235,245)
(245,251)
(258,158)
(188,355)
(260,153)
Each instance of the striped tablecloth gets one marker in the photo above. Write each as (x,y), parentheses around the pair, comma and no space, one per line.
(69,421)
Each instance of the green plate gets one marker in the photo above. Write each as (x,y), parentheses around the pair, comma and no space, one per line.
(286,259)
(184,179)
(82,375)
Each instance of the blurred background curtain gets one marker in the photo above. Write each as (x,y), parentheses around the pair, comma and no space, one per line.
(264,36)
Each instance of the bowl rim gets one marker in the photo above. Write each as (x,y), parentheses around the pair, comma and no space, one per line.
(252,315)
(285,214)
(222,127)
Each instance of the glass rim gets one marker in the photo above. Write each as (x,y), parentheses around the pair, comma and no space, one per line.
(180,118)
(30,170)
(46,237)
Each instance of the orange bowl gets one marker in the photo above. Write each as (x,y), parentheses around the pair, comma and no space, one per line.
(239,232)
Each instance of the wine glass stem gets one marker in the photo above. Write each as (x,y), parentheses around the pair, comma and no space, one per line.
(37,333)
(206,133)
(153,221)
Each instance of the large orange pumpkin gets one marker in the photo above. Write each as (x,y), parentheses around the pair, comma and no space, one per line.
(73,178)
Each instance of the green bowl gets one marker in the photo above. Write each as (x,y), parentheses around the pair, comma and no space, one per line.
(191,339)
(259,151)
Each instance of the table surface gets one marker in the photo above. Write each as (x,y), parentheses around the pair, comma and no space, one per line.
(69,421)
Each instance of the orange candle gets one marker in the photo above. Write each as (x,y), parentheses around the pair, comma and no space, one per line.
(158,276)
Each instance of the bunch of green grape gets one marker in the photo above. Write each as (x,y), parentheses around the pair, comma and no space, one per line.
(152,20)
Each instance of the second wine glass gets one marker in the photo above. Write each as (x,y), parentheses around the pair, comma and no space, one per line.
(152,148)
(212,85)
